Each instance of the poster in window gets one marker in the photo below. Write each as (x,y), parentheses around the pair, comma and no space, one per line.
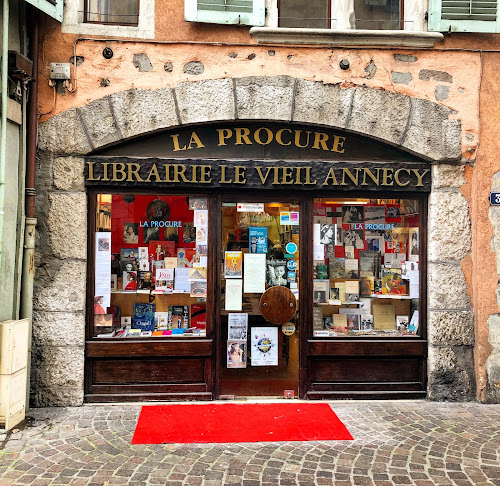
(236,354)
(233,264)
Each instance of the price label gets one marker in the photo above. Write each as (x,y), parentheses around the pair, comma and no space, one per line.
(495,198)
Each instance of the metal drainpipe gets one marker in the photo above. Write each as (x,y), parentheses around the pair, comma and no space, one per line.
(30,221)
(3,133)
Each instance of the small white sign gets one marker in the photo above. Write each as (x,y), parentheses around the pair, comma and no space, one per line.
(250,207)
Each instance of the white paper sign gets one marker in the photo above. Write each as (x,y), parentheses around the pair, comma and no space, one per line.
(181,282)
(414,279)
(237,326)
(264,341)
(254,274)
(234,291)
(103,267)
(250,207)
(318,248)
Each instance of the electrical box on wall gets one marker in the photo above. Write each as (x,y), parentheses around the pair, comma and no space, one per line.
(60,70)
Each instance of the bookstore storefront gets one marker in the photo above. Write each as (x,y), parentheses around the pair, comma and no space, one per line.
(256,260)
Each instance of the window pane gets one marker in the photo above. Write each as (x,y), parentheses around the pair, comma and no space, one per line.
(112,11)
(366,267)
(377,14)
(310,14)
(150,266)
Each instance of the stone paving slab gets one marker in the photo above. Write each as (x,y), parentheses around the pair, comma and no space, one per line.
(395,443)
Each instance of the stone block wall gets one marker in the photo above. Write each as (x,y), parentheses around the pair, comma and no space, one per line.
(60,282)
(450,316)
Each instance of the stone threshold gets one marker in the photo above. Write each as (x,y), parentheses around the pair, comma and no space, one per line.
(388,38)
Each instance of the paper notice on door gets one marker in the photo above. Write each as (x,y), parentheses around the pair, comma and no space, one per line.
(254,274)
(234,291)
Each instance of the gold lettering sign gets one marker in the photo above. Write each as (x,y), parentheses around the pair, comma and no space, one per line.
(322,174)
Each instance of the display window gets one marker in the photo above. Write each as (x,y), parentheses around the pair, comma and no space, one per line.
(366,267)
(150,268)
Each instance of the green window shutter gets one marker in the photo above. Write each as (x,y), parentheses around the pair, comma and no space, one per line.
(54,8)
(239,12)
(464,16)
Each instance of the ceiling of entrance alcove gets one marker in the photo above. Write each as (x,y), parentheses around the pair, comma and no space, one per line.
(258,140)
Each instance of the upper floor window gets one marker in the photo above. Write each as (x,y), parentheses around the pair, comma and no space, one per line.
(325,14)
(121,12)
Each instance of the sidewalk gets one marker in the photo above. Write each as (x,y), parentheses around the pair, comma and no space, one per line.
(395,443)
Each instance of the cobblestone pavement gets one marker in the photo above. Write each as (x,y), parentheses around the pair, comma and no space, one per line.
(395,443)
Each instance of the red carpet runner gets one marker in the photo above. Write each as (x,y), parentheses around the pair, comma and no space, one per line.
(232,422)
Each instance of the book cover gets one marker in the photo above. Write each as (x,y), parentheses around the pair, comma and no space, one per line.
(392,282)
(366,322)
(178,316)
(133,333)
(320,271)
(351,268)
(341,287)
(317,318)
(198,288)
(170,262)
(128,259)
(402,323)
(145,281)
(103,324)
(116,313)
(164,280)
(144,317)
(161,321)
(340,320)
(384,316)
(199,317)
(369,263)
(129,281)
(337,267)
(320,291)
(162,249)
(366,287)
(185,257)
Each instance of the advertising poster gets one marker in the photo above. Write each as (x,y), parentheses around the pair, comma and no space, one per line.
(237,326)
(233,264)
(258,239)
(234,294)
(236,354)
(264,341)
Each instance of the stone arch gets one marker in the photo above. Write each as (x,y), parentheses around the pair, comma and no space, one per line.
(419,126)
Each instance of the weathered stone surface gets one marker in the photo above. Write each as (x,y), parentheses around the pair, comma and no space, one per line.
(447,175)
(380,114)
(64,134)
(493,361)
(442,92)
(449,226)
(201,101)
(58,366)
(439,76)
(58,328)
(194,67)
(68,173)
(169,67)
(446,287)
(44,171)
(56,396)
(142,62)
(431,133)
(98,119)
(60,285)
(326,104)
(264,97)
(451,374)
(140,111)
(67,224)
(401,78)
(405,58)
(451,328)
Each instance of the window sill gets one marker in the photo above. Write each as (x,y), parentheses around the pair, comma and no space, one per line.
(394,38)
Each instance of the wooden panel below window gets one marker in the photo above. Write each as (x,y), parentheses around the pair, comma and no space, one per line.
(130,371)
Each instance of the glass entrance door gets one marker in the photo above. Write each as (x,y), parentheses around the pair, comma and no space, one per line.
(259,299)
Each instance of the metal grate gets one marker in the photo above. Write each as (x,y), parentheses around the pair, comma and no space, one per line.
(469,9)
(226,5)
